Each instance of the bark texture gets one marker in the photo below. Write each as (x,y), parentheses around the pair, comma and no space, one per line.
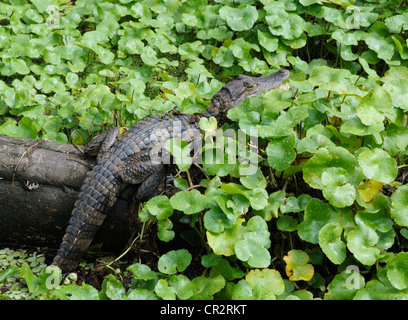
(39,184)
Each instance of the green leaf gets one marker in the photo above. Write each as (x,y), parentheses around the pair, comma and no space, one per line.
(33,15)
(160,207)
(297,266)
(287,223)
(141,271)
(258,198)
(224,268)
(72,79)
(330,242)
(249,250)
(232,206)
(223,243)
(293,204)
(217,162)
(373,107)
(271,210)
(399,206)
(378,165)
(189,19)
(336,189)
(326,78)
(377,215)
(216,221)
(397,271)
(253,181)
(164,291)
(189,201)
(181,286)
(140,294)
(258,230)
(191,50)
(243,291)
(113,288)
(19,66)
(317,215)
(281,153)
(397,23)
(253,247)
(376,290)
(266,283)
(291,28)
(29,277)
(164,232)
(75,292)
(241,49)
(377,40)
(205,288)
(361,242)
(12,270)
(397,92)
(240,18)
(149,56)
(210,260)
(267,279)
(174,261)
(283,125)
(208,124)
(372,74)
(331,157)
(354,126)
(223,57)
(268,41)
(395,139)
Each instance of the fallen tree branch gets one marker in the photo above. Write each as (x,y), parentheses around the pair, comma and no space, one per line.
(39,183)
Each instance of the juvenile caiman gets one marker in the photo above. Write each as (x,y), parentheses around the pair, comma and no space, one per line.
(128,160)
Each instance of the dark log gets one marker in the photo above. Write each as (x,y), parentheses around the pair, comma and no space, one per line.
(39,183)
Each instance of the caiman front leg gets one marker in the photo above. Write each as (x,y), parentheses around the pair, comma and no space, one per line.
(139,169)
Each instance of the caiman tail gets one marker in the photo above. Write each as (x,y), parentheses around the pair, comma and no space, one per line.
(98,194)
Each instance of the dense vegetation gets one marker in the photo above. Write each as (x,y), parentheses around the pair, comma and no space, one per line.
(325,213)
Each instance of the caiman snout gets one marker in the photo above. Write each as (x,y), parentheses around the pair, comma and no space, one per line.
(285,73)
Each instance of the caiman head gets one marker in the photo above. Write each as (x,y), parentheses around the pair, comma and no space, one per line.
(236,91)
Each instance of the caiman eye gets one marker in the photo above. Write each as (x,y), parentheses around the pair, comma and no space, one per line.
(250,85)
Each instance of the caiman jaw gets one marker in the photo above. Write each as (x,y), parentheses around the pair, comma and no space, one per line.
(236,91)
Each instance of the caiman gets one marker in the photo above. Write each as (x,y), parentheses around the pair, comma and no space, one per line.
(128,160)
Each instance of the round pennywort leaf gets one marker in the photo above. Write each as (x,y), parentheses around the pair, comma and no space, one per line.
(331,243)
(241,18)
(160,207)
(397,271)
(174,261)
(378,165)
(399,206)
(297,266)
(189,201)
